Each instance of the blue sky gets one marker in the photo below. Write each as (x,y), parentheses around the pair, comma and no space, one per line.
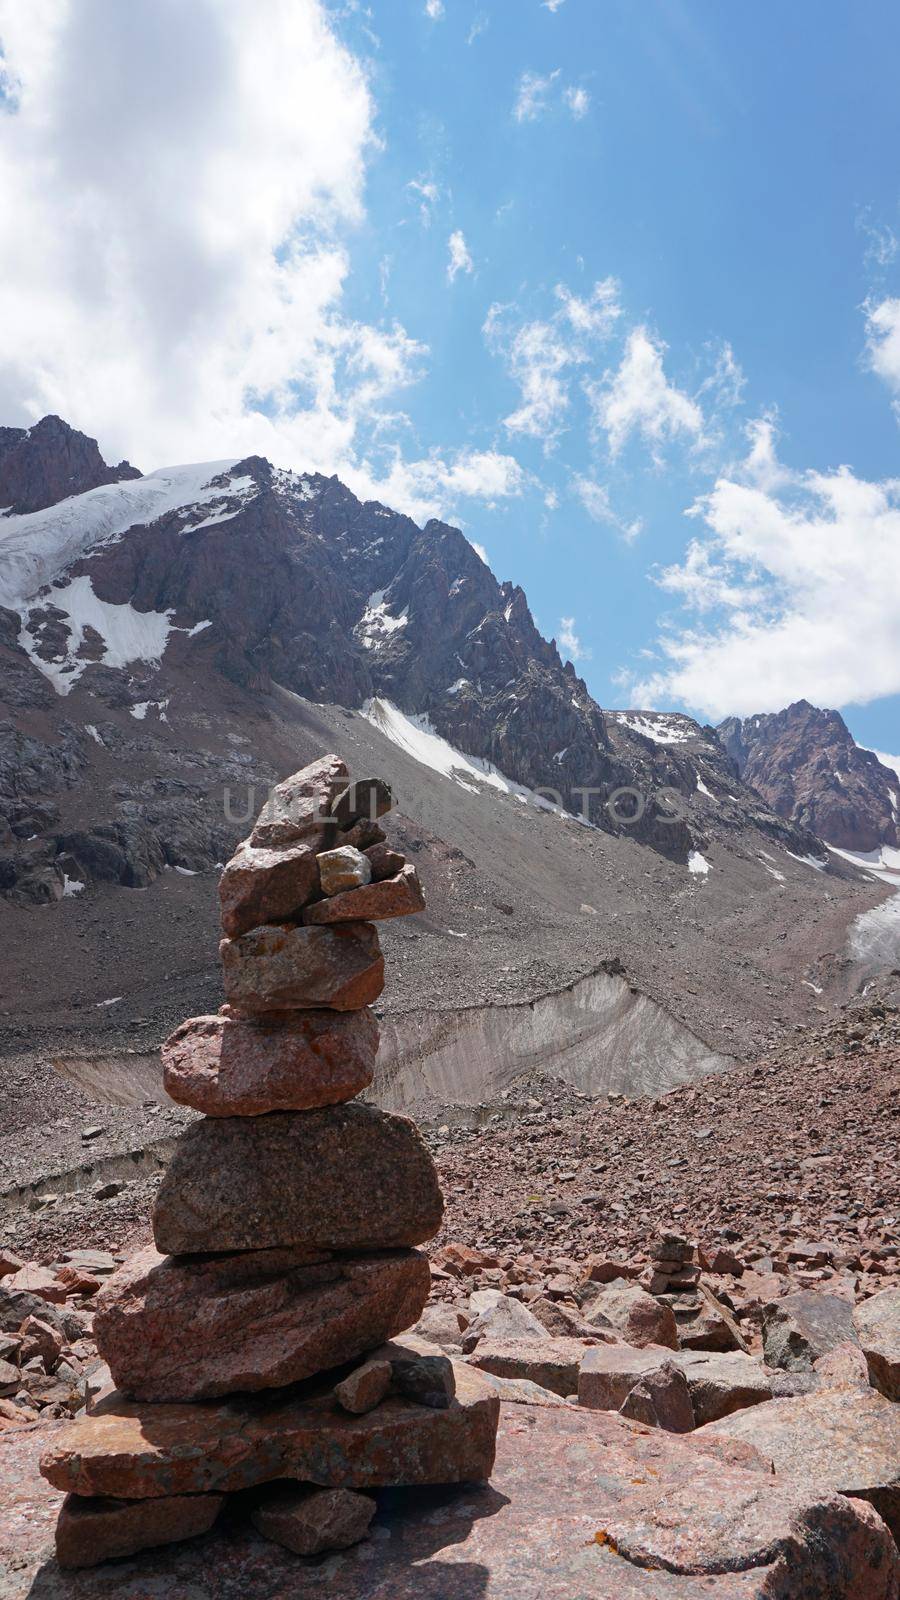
(615,284)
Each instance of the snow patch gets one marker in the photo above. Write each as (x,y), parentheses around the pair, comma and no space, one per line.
(38,545)
(415,735)
(701,786)
(698,864)
(89,728)
(662,727)
(883,863)
(376,623)
(71,886)
(808,861)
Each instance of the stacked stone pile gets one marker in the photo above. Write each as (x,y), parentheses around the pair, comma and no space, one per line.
(285,1231)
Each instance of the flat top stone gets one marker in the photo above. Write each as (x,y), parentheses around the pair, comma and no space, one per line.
(843,1439)
(562,1478)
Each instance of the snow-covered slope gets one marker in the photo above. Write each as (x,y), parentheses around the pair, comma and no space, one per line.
(36,547)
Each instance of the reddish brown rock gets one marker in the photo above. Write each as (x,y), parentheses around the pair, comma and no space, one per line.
(551,1363)
(312,1521)
(260,885)
(843,1367)
(384,861)
(635,1315)
(37,1281)
(365,1388)
(721,1382)
(344,1178)
(281,967)
(151,1450)
(293,1061)
(299,805)
(749,1534)
(661,1399)
(185,1329)
(91,1530)
(877,1326)
(608,1373)
(39,1339)
(390,897)
(9,1262)
(801,1327)
(843,1440)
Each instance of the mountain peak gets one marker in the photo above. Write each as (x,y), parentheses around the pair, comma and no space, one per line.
(48,462)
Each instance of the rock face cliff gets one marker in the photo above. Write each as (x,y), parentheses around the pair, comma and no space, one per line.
(808,767)
(42,465)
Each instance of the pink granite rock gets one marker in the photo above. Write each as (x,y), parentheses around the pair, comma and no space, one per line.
(288,1061)
(260,885)
(280,967)
(347,1177)
(400,896)
(193,1328)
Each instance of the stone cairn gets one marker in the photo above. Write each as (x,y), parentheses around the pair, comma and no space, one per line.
(284,1231)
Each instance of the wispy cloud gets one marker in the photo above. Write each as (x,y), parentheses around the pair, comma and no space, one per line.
(569,642)
(542,354)
(535,93)
(460,258)
(427,192)
(433,485)
(883,343)
(595,498)
(578,101)
(434,9)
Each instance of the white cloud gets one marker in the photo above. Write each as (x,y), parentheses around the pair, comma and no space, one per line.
(534,94)
(638,398)
(460,259)
(552,5)
(174,279)
(883,340)
(430,487)
(595,499)
(479,26)
(428,194)
(578,101)
(434,9)
(531,98)
(540,355)
(801,572)
(480,551)
(569,642)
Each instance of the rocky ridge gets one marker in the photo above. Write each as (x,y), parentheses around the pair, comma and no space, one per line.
(810,770)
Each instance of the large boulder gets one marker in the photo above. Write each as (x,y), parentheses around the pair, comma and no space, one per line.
(292,1061)
(722,1381)
(260,885)
(268,1318)
(344,1178)
(877,1326)
(142,1449)
(280,967)
(635,1315)
(800,1327)
(609,1372)
(89,1530)
(661,1399)
(843,1440)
